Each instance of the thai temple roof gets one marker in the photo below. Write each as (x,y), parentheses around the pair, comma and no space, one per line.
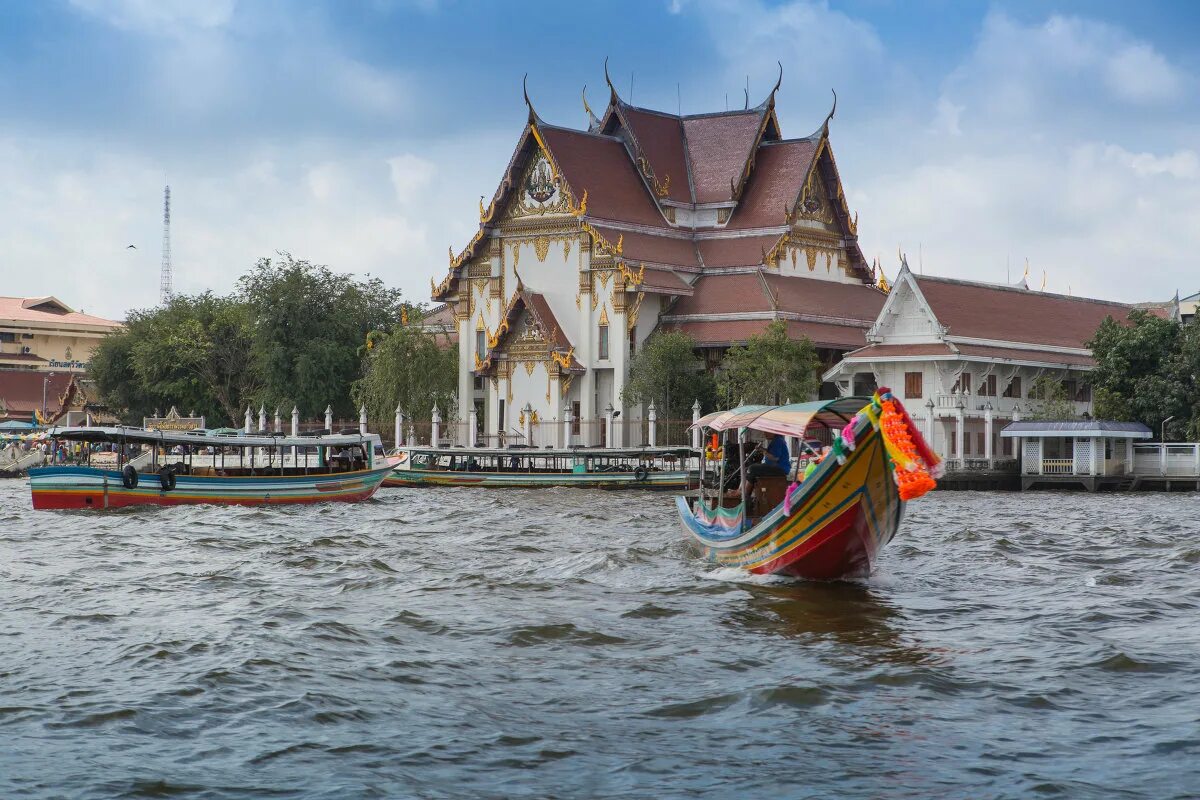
(635,171)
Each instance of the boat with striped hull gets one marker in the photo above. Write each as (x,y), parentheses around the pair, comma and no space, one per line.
(829,526)
(206,468)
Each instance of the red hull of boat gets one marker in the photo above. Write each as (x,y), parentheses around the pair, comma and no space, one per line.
(89,501)
(845,548)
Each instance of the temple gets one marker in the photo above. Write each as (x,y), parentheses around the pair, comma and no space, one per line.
(712,224)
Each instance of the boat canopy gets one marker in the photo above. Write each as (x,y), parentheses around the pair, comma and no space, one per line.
(205,438)
(790,420)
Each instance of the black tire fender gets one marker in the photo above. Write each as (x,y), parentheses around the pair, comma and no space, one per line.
(641,474)
(166,478)
(129,477)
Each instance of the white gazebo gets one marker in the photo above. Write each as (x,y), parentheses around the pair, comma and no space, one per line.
(1088,452)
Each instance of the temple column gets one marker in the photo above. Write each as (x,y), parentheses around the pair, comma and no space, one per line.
(652,417)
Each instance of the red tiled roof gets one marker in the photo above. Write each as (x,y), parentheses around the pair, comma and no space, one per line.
(718,333)
(745,291)
(780,169)
(21,390)
(637,247)
(600,166)
(985,311)
(724,294)
(661,139)
(889,350)
(1018,354)
(47,310)
(719,146)
(743,251)
(664,281)
(815,296)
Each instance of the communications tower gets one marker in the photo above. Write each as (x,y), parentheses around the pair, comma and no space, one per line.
(165,279)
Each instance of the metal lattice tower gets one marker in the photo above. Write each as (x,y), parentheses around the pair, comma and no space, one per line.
(165,278)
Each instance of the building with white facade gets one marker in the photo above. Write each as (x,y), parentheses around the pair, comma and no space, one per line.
(714,224)
(964,357)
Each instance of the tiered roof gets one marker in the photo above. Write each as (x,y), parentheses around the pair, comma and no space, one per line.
(630,175)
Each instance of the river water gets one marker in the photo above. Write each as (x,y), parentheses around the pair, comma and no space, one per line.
(448,643)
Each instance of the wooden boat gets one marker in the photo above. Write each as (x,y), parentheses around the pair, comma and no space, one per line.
(205,468)
(831,523)
(531,468)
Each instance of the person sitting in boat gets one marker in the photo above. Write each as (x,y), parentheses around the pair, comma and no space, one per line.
(775,460)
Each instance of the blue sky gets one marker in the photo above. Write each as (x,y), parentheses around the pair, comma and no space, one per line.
(361,134)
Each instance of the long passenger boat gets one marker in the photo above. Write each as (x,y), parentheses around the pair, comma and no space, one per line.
(532,468)
(134,466)
(829,517)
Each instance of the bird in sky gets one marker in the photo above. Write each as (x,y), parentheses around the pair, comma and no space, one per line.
(131,247)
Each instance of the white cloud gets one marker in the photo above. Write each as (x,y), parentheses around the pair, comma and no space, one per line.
(410,174)
(160,16)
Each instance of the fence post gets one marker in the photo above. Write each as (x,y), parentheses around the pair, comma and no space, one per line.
(608,425)
(987,436)
(329,419)
(262,417)
(435,433)
(527,415)
(652,416)
(695,426)
(278,428)
(1196,460)
(412,435)
(1162,458)
(362,419)
(399,426)
(248,418)
(472,429)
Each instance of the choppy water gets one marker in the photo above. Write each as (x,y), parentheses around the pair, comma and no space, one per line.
(463,643)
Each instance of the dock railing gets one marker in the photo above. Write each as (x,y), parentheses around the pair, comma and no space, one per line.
(1167,460)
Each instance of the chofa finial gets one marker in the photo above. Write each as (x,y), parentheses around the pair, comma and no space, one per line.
(533,117)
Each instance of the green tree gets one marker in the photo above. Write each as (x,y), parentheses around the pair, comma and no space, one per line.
(667,372)
(409,367)
(1146,372)
(194,354)
(310,324)
(1053,402)
(770,369)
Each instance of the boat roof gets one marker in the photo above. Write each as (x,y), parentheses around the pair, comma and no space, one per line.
(540,452)
(792,419)
(127,434)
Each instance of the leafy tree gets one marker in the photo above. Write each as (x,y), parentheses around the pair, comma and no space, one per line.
(194,354)
(770,369)
(1146,371)
(1053,400)
(408,367)
(667,372)
(309,327)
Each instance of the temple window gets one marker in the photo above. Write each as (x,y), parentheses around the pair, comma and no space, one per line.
(1013,389)
(987,386)
(480,343)
(602,344)
(913,385)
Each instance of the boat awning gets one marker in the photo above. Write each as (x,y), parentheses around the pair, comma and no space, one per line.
(790,420)
(205,438)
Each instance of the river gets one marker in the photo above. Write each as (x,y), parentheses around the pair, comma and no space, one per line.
(448,643)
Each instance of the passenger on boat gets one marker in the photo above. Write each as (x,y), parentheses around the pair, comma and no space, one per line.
(775,461)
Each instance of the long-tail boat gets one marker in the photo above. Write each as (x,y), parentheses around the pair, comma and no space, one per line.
(829,517)
(533,468)
(113,467)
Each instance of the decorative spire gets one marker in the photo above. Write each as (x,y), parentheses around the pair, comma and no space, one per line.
(533,117)
(778,83)
(823,131)
(615,98)
(593,123)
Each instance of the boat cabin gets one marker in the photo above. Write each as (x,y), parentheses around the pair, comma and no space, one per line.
(215,454)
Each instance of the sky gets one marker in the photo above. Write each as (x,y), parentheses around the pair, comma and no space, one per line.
(360,134)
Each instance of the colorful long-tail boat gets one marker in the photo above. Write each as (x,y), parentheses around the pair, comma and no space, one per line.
(830,516)
(113,467)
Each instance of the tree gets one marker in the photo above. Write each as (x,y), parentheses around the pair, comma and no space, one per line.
(1146,371)
(409,368)
(194,354)
(667,372)
(770,369)
(309,328)
(1053,400)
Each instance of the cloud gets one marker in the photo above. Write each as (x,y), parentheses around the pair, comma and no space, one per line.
(159,16)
